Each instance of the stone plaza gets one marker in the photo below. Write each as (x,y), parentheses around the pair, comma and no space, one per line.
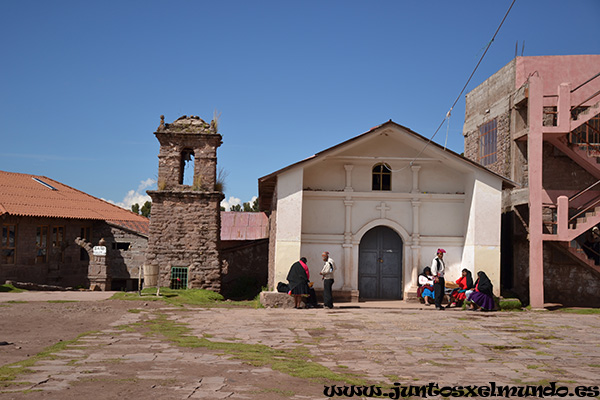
(377,343)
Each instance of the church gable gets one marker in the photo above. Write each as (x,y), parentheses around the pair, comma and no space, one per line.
(385,149)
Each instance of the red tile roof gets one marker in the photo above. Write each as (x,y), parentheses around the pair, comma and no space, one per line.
(244,225)
(28,195)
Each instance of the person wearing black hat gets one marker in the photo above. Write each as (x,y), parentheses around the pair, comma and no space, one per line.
(437,269)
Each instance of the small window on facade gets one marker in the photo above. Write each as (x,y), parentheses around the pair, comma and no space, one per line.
(382,177)
(121,246)
(86,233)
(488,143)
(41,244)
(8,246)
(58,241)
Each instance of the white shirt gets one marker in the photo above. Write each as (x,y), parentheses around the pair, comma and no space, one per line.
(425,280)
(328,269)
(434,267)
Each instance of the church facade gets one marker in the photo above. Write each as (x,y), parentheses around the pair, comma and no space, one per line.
(382,213)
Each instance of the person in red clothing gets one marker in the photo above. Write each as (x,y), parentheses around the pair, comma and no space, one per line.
(465,282)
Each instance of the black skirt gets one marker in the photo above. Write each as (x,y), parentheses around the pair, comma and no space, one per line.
(301,289)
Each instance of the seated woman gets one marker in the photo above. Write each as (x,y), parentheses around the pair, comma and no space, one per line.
(465,282)
(425,290)
(298,278)
(482,297)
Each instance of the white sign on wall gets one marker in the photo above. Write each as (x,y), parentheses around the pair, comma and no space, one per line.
(99,250)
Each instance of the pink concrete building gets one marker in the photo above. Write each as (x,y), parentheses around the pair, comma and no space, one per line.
(536,121)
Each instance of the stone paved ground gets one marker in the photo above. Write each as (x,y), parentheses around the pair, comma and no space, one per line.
(382,346)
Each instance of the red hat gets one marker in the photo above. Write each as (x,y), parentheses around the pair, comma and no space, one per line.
(441,251)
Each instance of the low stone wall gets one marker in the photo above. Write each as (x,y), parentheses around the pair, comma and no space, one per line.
(276,300)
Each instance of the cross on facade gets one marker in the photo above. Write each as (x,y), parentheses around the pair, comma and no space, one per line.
(382,208)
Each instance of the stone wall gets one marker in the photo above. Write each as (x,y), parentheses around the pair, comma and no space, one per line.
(185,232)
(126,253)
(193,136)
(186,221)
(488,101)
(67,265)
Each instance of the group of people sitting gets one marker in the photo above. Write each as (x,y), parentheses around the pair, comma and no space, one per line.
(478,294)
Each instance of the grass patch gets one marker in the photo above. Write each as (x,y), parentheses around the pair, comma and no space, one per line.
(281,392)
(62,301)
(582,311)
(181,297)
(134,310)
(540,337)
(533,366)
(10,288)
(294,362)
(16,301)
(9,372)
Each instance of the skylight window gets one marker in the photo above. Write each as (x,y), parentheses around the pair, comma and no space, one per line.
(44,183)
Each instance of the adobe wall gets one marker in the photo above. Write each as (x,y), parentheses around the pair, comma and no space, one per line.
(246,270)
(68,271)
(562,173)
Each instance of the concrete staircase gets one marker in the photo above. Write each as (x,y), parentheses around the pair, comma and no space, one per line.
(577,253)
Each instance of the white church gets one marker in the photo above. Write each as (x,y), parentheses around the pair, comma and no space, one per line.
(382,203)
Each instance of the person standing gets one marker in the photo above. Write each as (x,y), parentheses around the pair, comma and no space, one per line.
(298,279)
(437,269)
(327,273)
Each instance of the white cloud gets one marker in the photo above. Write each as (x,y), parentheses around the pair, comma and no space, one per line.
(227,203)
(138,196)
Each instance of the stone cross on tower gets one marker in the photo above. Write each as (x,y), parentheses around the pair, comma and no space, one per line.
(185,224)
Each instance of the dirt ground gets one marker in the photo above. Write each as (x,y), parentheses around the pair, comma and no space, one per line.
(33,326)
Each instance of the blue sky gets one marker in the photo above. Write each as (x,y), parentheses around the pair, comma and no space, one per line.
(83,83)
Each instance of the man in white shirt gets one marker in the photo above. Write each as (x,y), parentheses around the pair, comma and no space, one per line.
(327,273)
(437,269)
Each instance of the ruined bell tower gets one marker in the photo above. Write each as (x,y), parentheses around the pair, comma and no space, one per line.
(185,222)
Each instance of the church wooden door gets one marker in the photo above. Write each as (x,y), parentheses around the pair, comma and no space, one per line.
(380,265)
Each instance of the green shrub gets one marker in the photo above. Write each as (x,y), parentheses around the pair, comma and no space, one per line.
(510,304)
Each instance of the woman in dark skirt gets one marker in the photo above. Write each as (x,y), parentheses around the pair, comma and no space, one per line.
(298,278)
(483,295)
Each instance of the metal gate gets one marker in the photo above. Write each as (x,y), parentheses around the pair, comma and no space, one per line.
(179,277)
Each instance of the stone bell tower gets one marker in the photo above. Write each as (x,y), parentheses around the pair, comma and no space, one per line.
(185,222)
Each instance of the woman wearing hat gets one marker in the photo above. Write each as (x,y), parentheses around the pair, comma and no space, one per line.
(437,269)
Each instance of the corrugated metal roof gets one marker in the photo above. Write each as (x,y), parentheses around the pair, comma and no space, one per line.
(22,195)
(244,225)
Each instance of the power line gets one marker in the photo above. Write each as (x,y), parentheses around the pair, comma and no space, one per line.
(464,87)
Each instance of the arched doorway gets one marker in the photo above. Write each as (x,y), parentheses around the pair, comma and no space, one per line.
(380,264)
